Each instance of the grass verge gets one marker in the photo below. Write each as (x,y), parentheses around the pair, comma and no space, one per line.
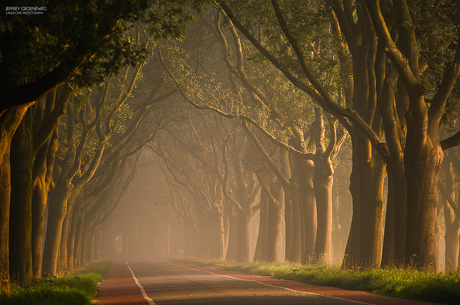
(403,283)
(78,288)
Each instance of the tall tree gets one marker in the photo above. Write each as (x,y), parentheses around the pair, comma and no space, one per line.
(424,150)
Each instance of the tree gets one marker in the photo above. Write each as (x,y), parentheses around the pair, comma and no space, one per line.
(447,187)
(424,150)
(370,81)
(84,43)
(81,39)
(193,139)
(33,149)
(268,106)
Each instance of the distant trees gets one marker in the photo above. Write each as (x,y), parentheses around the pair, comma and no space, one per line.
(268,103)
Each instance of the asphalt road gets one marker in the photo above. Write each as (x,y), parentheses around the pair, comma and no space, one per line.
(149,282)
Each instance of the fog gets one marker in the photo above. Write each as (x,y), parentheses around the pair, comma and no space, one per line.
(161,217)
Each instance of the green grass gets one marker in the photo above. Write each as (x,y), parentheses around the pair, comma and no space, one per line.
(403,283)
(73,289)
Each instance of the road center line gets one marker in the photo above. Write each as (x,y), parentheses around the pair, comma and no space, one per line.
(144,294)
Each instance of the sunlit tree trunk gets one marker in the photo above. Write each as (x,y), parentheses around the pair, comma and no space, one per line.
(423,158)
(78,242)
(72,240)
(323,181)
(366,234)
(262,238)
(57,202)
(342,209)
(323,194)
(222,233)
(245,195)
(372,215)
(274,221)
(65,235)
(288,208)
(42,181)
(21,201)
(303,174)
(394,123)
(46,143)
(452,221)
(242,254)
(87,240)
(9,122)
(352,255)
(232,245)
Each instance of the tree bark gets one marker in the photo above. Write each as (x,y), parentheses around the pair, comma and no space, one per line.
(57,210)
(274,221)
(452,222)
(242,254)
(9,122)
(423,158)
(42,180)
(65,235)
(303,173)
(323,181)
(21,201)
(260,254)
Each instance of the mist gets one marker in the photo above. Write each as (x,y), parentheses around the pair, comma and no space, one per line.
(233,131)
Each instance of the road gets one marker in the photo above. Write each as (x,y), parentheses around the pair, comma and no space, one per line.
(156,282)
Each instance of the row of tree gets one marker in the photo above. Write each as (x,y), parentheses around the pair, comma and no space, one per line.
(374,67)
(73,102)
(69,121)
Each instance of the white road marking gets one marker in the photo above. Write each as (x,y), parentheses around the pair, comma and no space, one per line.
(285,288)
(144,294)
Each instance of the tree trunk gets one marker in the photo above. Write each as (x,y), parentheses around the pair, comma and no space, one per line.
(262,238)
(395,127)
(21,201)
(290,234)
(232,244)
(222,234)
(366,235)
(42,180)
(303,173)
(57,211)
(78,242)
(242,254)
(452,239)
(323,181)
(372,215)
(66,227)
(274,222)
(296,252)
(452,222)
(423,158)
(288,220)
(72,240)
(9,122)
